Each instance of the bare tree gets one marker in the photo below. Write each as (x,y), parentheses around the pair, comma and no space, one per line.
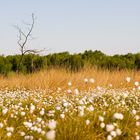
(23,39)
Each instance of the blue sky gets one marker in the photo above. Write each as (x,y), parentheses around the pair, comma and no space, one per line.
(73,25)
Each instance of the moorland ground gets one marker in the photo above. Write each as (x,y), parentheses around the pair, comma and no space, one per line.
(91,104)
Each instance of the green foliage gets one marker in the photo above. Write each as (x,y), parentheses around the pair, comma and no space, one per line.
(5,65)
(73,62)
(137,61)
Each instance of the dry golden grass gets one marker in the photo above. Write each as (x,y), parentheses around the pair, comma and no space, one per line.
(21,110)
(54,78)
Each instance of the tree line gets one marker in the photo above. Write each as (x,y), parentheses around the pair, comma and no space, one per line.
(73,62)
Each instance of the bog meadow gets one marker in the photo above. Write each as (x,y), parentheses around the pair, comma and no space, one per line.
(71,71)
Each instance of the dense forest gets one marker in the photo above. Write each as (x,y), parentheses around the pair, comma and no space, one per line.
(74,62)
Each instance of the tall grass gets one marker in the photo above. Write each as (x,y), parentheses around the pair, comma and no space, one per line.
(91,114)
(54,78)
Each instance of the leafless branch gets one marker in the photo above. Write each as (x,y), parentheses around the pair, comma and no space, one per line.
(24,37)
(33,51)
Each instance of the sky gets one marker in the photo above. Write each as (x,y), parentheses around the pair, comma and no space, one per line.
(111,26)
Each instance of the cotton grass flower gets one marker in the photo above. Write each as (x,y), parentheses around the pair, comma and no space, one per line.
(22,133)
(101,119)
(91,80)
(76,91)
(90,108)
(110,127)
(4,111)
(32,108)
(137,137)
(134,112)
(125,95)
(137,123)
(86,80)
(69,91)
(113,133)
(87,122)
(57,107)
(22,113)
(69,83)
(81,113)
(133,89)
(137,117)
(110,85)
(58,90)
(136,83)
(50,135)
(33,128)
(9,134)
(10,129)
(109,137)
(43,132)
(65,104)
(118,132)
(128,79)
(62,116)
(102,125)
(98,88)
(28,124)
(52,124)
(1,125)
(27,137)
(118,116)
(42,112)
(39,130)
(39,119)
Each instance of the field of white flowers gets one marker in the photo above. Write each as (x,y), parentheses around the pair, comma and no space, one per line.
(94,114)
